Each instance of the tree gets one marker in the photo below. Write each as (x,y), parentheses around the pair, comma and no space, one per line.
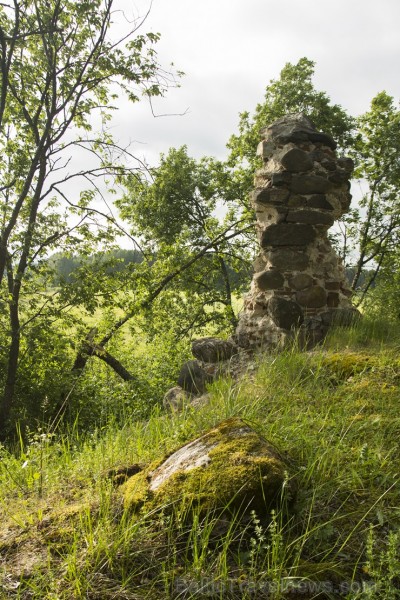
(67,267)
(173,210)
(184,207)
(383,298)
(193,262)
(293,92)
(61,68)
(374,226)
(369,234)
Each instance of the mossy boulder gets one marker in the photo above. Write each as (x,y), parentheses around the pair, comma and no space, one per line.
(231,466)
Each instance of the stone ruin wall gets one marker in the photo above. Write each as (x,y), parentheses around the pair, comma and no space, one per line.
(299,284)
(299,287)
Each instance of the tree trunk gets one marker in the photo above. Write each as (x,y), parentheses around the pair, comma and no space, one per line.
(89,348)
(13,355)
(14,289)
(112,362)
(228,292)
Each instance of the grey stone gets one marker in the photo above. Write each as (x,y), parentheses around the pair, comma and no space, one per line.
(287,259)
(311,333)
(296,128)
(314,217)
(288,234)
(243,339)
(285,313)
(265,149)
(327,317)
(318,137)
(259,264)
(272,195)
(269,280)
(347,164)
(345,290)
(345,200)
(270,213)
(229,467)
(319,155)
(296,201)
(213,350)
(301,189)
(193,378)
(301,281)
(281,178)
(297,160)
(329,165)
(200,401)
(332,285)
(333,299)
(175,399)
(313,297)
(312,323)
(310,184)
(339,176)
(319,201)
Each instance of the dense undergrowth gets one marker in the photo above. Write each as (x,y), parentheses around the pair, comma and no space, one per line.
(334,412)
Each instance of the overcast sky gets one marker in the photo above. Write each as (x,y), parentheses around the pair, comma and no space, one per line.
(231,49)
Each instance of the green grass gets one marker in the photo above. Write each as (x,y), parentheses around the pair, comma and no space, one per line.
(334,412)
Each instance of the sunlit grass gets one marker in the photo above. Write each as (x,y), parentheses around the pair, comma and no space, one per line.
(332,411)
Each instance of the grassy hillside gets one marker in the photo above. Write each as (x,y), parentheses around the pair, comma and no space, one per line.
(334,412)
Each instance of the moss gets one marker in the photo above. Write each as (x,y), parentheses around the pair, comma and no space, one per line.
(120,474)
(244,471)
(346,364)
(136,490)
(27,551)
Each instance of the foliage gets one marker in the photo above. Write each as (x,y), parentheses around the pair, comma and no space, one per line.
(382,566)
(374,226)
(191,217)
(176,214)
(384,295)
(61,69)
(67,267)
(293,92)
(98,395)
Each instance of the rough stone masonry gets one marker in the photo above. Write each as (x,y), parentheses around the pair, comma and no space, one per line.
(299,286)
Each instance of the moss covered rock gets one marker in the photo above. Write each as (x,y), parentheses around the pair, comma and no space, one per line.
(230,466)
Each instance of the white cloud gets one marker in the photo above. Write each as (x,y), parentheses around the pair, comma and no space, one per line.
(231,49)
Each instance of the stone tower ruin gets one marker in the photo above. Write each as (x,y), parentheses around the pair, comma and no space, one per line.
(299,286)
